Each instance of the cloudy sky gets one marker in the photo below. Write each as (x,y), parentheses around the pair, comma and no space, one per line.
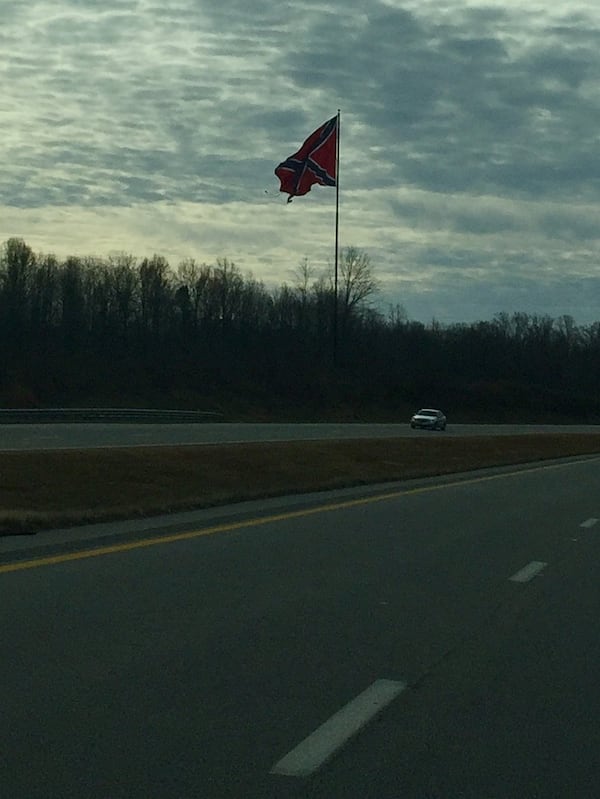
(470,140)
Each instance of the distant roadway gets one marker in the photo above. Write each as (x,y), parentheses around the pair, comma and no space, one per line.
(85,435)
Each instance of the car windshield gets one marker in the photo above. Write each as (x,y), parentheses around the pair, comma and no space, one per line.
(427,412)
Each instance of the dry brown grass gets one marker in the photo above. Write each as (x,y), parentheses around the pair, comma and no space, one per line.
(46,489)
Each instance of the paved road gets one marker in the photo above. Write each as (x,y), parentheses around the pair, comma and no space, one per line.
(58,436)
(221,660)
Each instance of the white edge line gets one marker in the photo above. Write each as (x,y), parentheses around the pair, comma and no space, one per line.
(528,572)
(589,522)
(321,744)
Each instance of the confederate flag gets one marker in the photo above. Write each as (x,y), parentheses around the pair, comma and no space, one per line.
(315,162)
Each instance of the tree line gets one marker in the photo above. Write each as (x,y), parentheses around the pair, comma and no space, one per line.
(125,331)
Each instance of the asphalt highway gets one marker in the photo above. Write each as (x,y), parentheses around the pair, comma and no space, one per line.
(428,639)
(85,435)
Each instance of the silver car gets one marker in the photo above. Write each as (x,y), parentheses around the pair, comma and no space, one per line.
(429,419)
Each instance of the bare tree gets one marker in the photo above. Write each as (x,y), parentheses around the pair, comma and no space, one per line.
(227,285)
(44,294)
(357,284)
(304,274)
(154,294)
(195,279)
(72,301)
(124,287)
(17,264)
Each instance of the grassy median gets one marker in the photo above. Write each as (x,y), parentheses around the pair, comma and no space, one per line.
(48,489)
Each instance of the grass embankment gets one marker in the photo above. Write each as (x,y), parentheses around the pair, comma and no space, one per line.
(48,489)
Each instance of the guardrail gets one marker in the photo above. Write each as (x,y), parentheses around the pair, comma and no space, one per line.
(131,415)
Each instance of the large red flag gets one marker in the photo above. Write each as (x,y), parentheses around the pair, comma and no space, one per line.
(315,162)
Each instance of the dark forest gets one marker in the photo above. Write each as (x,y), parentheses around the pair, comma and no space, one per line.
(124,331)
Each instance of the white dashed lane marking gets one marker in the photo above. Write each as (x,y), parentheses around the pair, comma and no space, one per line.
(589,522)
(528,572)
(320,745)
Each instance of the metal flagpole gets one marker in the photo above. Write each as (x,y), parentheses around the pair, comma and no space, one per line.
(337,228)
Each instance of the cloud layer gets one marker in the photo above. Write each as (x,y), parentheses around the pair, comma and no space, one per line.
(470,149)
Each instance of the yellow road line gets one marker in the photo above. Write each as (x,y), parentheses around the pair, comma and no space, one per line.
(50,560)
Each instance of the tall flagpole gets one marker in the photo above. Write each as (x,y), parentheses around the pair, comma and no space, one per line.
(337,230)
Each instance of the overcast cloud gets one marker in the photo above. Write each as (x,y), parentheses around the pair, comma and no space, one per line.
(470,140)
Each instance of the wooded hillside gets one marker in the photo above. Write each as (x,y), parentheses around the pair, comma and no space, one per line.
(126,330)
